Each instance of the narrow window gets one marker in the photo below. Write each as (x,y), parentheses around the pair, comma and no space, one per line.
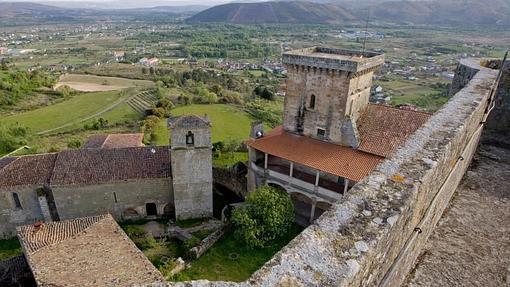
(17,202)
(115,197)
(321,133)
(312,102)
(190,138)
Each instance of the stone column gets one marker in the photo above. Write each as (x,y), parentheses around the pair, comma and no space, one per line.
(312,211)
(346,185)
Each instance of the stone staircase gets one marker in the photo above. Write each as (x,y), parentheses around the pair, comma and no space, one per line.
(142,102)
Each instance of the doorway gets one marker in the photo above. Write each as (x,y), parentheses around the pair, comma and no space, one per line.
(151,209)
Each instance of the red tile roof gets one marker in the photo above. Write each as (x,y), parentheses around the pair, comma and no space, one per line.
(27,170)
(86,166)
(90,166)
(114,141)
(383,129)
(327,157)
(35,237)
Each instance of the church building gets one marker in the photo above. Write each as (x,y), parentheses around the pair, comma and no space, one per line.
(113,174)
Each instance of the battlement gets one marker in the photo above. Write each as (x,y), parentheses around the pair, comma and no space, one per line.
(334,59)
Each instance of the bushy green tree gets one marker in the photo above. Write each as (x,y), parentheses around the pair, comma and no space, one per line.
(12,137)
(267,216)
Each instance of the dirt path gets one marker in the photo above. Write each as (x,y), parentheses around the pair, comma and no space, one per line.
(471,244)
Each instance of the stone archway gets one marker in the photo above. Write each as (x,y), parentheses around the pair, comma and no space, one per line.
(130,213)
(169,211)
(277,186)
(302,208)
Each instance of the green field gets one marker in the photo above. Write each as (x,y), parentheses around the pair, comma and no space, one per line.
(228,122)
(69,111)
(230,260)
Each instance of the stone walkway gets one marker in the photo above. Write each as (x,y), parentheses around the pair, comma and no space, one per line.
(471,244)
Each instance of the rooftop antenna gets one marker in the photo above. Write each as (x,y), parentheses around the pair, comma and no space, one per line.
(366,31)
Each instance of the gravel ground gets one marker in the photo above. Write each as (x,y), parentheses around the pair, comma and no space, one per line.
(471,244)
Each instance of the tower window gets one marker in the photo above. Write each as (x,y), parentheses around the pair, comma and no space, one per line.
(190,138)
(17,202)
(312,102)
(321,133)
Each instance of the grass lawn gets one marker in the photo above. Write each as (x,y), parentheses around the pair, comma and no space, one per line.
(217,263)
(9,248)
(77,107)
(227,159)
(228,122)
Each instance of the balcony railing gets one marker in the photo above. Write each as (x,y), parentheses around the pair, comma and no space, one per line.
(303,180)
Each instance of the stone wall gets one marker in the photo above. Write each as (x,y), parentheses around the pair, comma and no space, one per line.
(10,216)
(374,234)
(231,179)
(89,200)
(499,120)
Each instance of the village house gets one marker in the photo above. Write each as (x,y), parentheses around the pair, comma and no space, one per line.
(119,55)
(149,62)
(113,174)
(331,137)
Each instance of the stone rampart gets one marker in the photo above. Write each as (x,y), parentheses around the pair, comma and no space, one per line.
(374,234)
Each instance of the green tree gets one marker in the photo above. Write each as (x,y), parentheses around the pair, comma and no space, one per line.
(12,137)
(267,216)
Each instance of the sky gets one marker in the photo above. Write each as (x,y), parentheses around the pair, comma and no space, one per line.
(126,3)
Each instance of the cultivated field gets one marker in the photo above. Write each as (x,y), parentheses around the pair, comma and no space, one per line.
(74,109)
(89,83)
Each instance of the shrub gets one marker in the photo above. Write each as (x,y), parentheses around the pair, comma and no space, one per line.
(268,215)
(192,242)
(74,143)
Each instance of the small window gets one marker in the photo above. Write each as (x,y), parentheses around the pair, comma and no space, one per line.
(17,202)
(190,138)
(312,102)
(321,133)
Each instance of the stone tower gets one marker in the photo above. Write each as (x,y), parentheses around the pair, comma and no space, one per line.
(191,159)
(327,91)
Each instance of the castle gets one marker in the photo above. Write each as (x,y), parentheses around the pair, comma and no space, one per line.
(331,137)
(113,174)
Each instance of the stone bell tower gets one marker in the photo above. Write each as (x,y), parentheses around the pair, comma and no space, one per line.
(327,91)
(191,157)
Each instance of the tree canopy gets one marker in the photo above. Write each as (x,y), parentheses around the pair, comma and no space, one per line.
(268,215)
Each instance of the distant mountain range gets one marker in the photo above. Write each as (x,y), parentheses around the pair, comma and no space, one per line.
(451,12)
(274,12)
(441,12)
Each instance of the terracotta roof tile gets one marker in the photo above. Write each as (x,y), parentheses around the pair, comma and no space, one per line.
(327,157)
(27,170)
(114,141)
(88,166)
(35,237)
(77,252)
(383,129)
